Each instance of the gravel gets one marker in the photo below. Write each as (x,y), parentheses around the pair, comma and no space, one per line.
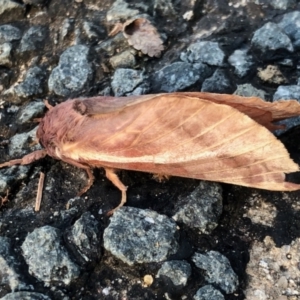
(202,208)
(173,232)
(217,270)
(72,73)
(132,233)
(47,259)
(178,272)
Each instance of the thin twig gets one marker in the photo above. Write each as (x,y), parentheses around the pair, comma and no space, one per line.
(39,192)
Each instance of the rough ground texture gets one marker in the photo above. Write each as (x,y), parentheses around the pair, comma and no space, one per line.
(70,249)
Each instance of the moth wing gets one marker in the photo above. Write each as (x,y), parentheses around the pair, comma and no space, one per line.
(261,111)
(183,135)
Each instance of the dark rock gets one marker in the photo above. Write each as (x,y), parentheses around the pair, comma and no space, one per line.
(217,270)
(5,57)
(125,59)
(10,11)
(36,2)
(33,39)
(93,31)
(47,260)
(30,111)
(176,77)
(19,143)
(202,208)
(72,73)
(287,92)
(248,90)
(270,37)
(12,175)
(208,292)
(291,26)
(84,235)
(25,296)
(178,271)
(111,46)
(33,83)
(126,81)
(278,4)
(217,83)
(9,273)
(9,33)
(140,236)
(241,61)
(120,11)
(205,52)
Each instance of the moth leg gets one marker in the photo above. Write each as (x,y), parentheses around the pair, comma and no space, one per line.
(47,104)
(26,160)
(113,177)
(91,180)
(161,177)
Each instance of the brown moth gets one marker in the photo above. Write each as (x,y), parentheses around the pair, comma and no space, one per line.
(207,136)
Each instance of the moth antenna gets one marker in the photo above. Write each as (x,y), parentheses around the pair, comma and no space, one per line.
(26,160)
(47,104)
(113,177)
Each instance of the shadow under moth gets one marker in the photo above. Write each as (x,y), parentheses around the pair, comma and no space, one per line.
(216,137)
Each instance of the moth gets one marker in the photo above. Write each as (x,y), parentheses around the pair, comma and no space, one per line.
(216,137)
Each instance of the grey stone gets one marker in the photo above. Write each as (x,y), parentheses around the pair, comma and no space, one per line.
(287,92)
(241,61)
(125,81)
(208,292)
(33,39)
(217,270)
(72,73)
(93,31)
(277,4)
(5,57)
(248,90)
(205,52)
(19,143)
(66,27)
(35,2)
(47,260)
(176,77)
(290,24)
(9,273)
(286,62)
(164,7)
(12,175)
(111,46)
(30,111)
(217,83)
(9,33)
(32,85)
(10,11)
(202,208)
(178,271)
(140,236)
(120,11)
(270,37)
(25,296)
(84,235)
(125,59)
